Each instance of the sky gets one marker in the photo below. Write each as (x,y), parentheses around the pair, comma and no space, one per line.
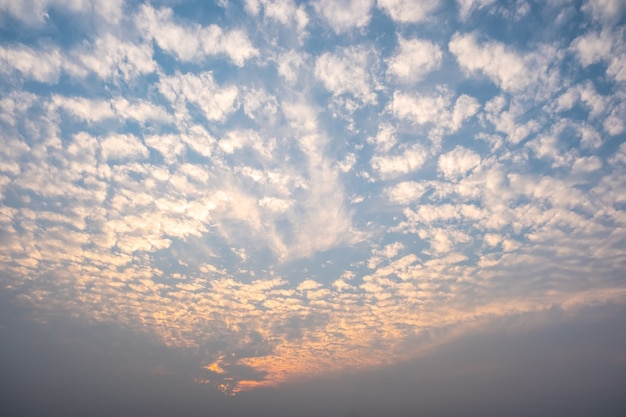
(345,208)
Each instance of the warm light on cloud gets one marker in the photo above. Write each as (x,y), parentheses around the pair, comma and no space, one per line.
(285,190)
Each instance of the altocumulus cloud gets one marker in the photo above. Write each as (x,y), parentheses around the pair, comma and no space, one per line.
(282,190)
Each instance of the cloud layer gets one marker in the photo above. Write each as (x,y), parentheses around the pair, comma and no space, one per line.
(293,189)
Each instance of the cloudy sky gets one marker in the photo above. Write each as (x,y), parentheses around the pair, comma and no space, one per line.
(343,208)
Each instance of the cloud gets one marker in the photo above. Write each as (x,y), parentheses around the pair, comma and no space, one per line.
(510,118)
(409,160)
(84,109)
(614,124)
(283,11)
(346,72)
(112,58)
(585,93)
(107,57)
(467,7)
(97,111)
(42,66)
(317,228)
(169,146)
(260,105)
(193,42)
(273,192)
(406,192)
(414,60)
(434,111)
(458,162)
(586,165)
(419,108)
(385,138)
(216,102)
(275,204)
(140,111)
(592,47)
(123,147)
(344,15)
(289,65)
(605,11)
(35,12)
(605,47)
(407,11)
(507,68)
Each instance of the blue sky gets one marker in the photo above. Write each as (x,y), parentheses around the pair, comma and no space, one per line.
(282,191)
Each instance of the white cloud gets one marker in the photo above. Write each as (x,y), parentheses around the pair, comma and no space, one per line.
(512,120)
(259,105)
(408,11)
(289,65)
(619,158)
(215,101)
(386,253)
(280,205)
(107,57)
(308,284)
(315,226)
(607,46)
(253,6)
(347,163)
(549,146)
(110,58)
(283,11)
(85,109)
(196,172)
(346,72)
(344,15)
(592,47)
(385,138)
(443,240)
(589,137)
(39,65)
(193,42)
(123,147)
(95,111)
(389,166)
(617,67)
(421,109)
(434,112)
(199,140)
(406,192)
(35,12)
(415,58)
(458,162)
(467,7)
(492,239)
(464,108)
(606,11)
(507,68)
(586,93)
(141,111)
(238,139)
(586,165)
(390,251)
(82,155)
(169,146)
(615,123)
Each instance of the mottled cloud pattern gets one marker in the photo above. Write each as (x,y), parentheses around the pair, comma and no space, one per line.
(291,189)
